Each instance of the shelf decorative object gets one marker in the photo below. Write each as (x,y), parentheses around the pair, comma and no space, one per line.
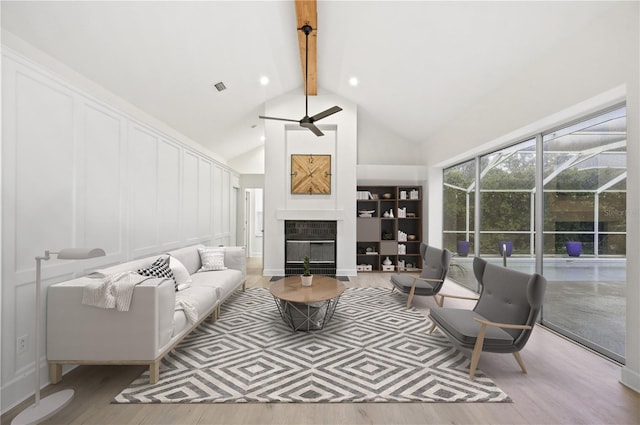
(387,265)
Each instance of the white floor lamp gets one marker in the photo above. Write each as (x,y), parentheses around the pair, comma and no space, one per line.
(50,405)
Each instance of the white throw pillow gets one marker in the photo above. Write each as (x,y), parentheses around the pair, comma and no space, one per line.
(212,259)
(181,274)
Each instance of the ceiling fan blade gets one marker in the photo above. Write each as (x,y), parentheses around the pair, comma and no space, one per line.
(312,127)
(279,119)
(326,113)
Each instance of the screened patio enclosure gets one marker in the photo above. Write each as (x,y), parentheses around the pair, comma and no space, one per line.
(579,173)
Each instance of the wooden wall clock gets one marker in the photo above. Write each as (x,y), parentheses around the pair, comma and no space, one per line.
(311,174)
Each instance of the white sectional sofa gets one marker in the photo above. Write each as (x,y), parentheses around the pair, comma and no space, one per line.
(155,322)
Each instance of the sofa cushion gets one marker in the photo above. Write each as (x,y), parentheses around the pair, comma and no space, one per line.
(180,272)
(459,323)
(212,259)
(201,298)
(189,256)
(224,281)
(235,257)
(159,268)
(404,282)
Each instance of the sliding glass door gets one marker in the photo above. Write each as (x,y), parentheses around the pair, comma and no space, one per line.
(585,231)
(491,202)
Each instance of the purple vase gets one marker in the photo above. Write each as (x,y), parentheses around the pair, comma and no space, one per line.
(574,248)
(463,248)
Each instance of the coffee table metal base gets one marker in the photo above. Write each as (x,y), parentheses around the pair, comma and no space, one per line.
(306,316)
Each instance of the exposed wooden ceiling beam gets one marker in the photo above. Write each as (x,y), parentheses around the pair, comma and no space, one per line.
(307,14)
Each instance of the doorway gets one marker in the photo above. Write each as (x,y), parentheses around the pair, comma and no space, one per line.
(254,223)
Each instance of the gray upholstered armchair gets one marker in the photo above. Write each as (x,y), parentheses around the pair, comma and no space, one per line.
(503,318)
(435,265)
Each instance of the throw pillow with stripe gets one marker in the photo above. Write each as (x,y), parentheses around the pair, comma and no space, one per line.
(212,259)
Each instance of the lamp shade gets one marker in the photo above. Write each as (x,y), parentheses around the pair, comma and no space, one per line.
(79,253)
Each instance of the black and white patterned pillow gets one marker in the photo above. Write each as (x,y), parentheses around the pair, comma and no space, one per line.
(159,268)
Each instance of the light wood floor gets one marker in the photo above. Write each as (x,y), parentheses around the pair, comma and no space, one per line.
(566,384)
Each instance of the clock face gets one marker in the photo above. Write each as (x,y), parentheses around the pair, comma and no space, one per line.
(311,174)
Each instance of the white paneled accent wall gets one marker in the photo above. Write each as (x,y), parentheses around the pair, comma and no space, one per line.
(78,172)
(104,171)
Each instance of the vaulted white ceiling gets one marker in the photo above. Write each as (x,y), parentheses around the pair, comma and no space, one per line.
(419,63)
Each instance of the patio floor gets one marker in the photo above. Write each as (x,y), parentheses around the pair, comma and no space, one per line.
(585,296)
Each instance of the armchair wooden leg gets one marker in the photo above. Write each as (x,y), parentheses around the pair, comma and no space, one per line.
(393,288)
(477,350)
(439,300)
(413,290)
(433,327)
(409,301)
(520,362)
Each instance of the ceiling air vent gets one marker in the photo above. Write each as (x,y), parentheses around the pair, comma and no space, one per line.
(220,86)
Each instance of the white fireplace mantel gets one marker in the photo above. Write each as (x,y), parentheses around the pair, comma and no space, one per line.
(337,215)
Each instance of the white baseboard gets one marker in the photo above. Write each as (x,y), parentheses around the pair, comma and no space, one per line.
(273,272)
(346,272)
(630,378)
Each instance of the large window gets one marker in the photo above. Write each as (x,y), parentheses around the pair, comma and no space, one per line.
(582,173)
(459,200)
(458,218)
(507,199)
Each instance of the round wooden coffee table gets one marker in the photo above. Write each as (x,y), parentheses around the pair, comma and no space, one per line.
(307,307)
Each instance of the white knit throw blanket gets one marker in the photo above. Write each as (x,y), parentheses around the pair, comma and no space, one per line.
(189,309)
(112,291)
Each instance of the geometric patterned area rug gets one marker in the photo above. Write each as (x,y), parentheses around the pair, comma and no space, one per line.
(372,350)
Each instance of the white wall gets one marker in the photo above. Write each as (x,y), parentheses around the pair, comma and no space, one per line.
(596,68)
(78,172)
(251,162)
(377,144)
(340,141)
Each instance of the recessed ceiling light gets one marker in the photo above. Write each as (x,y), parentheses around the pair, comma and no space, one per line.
(264,80)
(353,81)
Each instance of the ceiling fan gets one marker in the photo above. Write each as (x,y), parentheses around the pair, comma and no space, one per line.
(307,121)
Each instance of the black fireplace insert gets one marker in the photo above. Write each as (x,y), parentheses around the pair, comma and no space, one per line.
(315,239)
